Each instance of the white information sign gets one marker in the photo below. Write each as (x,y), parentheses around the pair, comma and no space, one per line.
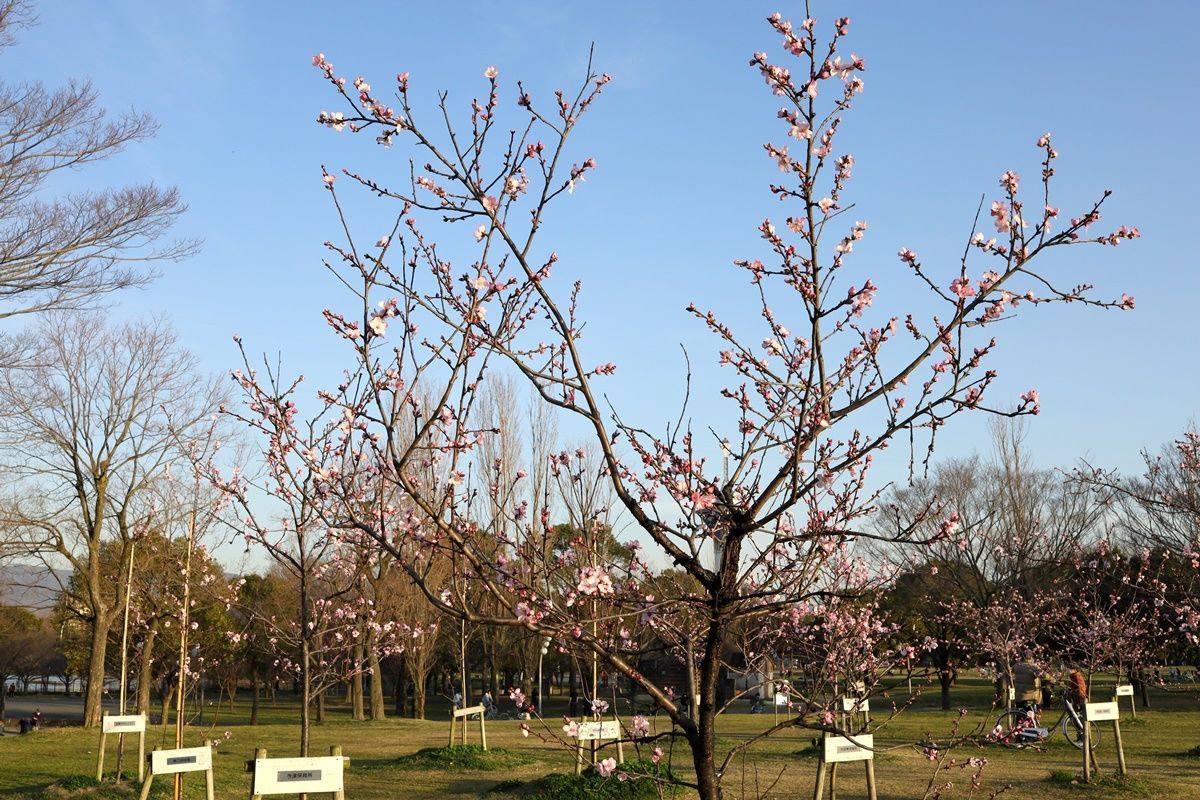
(298,775)
(839,748)
(188,759)
(781,699)
(466,712)
(608,729)
(128,723)
(1125,691)
(856,704)
(1012,695)
(1101,712)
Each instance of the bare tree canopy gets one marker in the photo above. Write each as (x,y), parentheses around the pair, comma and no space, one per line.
(64,251)
(89,437)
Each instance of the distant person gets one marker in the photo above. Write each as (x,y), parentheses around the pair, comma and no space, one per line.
(573,708)
(1077,689)
(457,699)
(489,705)
(1027,683)
(35,720)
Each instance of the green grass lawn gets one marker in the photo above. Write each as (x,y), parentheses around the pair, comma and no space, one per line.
(1156,749)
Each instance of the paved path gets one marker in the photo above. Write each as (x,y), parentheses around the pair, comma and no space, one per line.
(53,707)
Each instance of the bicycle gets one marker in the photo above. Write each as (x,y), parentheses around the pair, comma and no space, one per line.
(1020,726)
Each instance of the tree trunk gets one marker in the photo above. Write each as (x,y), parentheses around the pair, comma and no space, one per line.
(168,693)
(305,691)
(95,685)
(418,679)
(145,673)
(704,740)
(945,678)
(255,682)
(356,685)
(401,688)
(321,706)
(377,709)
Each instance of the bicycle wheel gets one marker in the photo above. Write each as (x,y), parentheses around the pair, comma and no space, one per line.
(1072,728)
(1014,727)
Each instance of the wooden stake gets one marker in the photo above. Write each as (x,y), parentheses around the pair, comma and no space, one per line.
(336,750)
(819,791)
(100,756)
(1087,751)
(124,663)
(871,795)
(1120,749)
(146,785)
(260,752)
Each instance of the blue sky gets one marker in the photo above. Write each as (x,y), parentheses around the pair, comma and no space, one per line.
(955,94)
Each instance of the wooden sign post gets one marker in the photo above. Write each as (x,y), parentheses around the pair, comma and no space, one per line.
(126,723)
(297,775)
(463,713)
(185,759)
(782,699)
(851,708)
(1101,712)
(1126,690)
(593,732)
(838,749)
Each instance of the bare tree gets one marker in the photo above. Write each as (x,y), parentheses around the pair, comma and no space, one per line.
(64,251)
(86,436)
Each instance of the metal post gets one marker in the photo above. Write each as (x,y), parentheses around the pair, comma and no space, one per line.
(541,690)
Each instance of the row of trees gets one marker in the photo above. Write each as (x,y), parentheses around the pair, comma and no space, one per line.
(1065,567)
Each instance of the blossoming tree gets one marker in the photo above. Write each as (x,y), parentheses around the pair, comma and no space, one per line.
(825,386)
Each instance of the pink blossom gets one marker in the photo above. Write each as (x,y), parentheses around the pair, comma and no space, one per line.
(639,727)
(490,73)
(1000,213)
(606,767)
(594,581)
(657,755)
(962,287)
(1031,398)
(480,232)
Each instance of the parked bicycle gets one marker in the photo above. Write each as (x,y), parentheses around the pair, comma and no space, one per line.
(1023,726)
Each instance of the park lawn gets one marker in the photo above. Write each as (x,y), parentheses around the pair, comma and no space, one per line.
(1156,751)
